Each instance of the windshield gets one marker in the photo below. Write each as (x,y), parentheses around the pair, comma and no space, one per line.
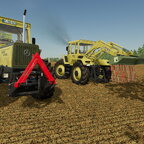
(7,37)
(79,48)
(84,48)
(10,34)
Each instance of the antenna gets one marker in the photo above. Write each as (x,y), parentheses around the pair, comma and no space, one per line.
(24,15)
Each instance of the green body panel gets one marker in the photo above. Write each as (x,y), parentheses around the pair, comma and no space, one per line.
(122,60)
(106,56)
(140,60)
(17,55)
(126,60)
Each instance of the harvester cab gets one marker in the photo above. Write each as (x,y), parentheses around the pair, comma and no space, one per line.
(93,60)
(18,57)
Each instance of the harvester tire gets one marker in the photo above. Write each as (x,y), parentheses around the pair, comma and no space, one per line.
(61,71)
(80,74)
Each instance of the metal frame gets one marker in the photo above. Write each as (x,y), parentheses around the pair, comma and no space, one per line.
(19,87)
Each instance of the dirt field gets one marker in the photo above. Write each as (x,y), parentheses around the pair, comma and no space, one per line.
(90,114)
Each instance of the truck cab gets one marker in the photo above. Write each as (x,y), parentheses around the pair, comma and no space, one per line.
(12,48)
(14,53)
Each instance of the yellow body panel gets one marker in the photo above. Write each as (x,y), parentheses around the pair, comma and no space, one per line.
(6,56)
(16,24)
(120,49)
(81,41)
(12,22)
(103,62)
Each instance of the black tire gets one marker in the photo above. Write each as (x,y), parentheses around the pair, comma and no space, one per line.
(107,73)
(46,89)
(61,70)
(45,94)
(1,73)
(84,76)
(103,74)
(13,77)
(50,68)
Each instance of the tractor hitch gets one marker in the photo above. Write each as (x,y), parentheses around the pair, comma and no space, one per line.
(36,83)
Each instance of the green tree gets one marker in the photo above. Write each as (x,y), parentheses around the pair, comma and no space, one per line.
(135,52)
(54,59)
(140,51)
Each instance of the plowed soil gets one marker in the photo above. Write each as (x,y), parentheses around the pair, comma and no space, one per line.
(94,113)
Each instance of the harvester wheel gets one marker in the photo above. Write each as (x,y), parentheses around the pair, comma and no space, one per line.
(80,73)
(61,70)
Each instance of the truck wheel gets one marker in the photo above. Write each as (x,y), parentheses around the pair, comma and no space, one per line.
(80,73)
(46,90)
(61,70)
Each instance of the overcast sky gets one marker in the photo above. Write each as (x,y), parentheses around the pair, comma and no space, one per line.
(56,21)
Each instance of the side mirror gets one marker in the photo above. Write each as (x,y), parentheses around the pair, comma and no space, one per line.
(67,48)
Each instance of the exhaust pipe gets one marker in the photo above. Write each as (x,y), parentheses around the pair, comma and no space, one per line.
(24,15)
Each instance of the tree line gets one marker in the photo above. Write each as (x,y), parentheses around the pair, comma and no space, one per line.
(52,59)
(139,52)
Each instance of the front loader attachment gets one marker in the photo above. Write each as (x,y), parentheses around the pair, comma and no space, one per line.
(126,60)
(32,82)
